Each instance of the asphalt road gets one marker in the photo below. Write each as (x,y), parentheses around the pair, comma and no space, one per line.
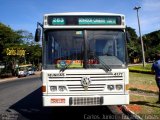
(22,100)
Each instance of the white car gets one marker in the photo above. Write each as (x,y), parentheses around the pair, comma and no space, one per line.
(31,71)
(22,72)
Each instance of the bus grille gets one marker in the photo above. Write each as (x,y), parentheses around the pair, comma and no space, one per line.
(85,101)
(92,87)
(98,81)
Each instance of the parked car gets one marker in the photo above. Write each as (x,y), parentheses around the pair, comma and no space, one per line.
(22,72)
(31,71)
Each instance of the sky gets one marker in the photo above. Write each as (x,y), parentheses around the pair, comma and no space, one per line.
(24,14)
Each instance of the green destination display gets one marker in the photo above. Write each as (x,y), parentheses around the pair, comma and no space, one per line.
(96,21)
(84,20)
(58,21)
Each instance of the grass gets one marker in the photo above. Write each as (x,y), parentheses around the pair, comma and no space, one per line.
(141,79)
(141,69)
(144,106)
(144,91)
(147,66)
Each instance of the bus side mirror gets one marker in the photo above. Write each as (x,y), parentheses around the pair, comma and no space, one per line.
(128,37)
(38,35)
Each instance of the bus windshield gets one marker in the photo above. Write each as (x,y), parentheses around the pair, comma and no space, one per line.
(66,48)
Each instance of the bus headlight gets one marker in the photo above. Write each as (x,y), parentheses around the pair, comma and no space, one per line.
(119,87)
(62,88)
(110,87)
(53,88)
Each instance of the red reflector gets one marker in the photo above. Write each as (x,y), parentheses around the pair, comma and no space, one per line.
(58,100)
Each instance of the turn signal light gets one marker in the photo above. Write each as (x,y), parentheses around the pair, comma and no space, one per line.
(127,86)
(43,88)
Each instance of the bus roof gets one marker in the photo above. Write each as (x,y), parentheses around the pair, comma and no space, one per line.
(83,13)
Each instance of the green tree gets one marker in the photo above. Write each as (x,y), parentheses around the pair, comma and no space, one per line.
(8,38)
(133,46)
(33,50)
(18,40)
(151,44)
(34,53)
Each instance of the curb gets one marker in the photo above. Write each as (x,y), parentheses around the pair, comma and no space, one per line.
(130,114)
(16,78)
(8,79)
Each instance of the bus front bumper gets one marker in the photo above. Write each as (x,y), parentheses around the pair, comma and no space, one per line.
(85,100)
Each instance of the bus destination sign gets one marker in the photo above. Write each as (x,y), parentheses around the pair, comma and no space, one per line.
(96,21)
(84,20)
(58,21)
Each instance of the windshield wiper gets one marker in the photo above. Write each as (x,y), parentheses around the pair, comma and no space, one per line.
(66,67)
(105,66)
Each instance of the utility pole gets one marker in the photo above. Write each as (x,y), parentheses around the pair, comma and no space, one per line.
(143,54)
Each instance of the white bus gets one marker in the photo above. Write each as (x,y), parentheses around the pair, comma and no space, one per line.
(84,59)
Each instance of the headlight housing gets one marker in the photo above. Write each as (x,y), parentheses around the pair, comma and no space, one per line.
(58,88)
(53,88)
(62,88)
(110,87)
(119,87)
(116,87)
